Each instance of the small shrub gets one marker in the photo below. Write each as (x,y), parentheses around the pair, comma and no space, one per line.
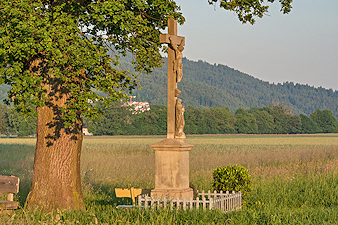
(232,178)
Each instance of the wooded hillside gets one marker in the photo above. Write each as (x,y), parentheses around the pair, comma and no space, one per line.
(207,85)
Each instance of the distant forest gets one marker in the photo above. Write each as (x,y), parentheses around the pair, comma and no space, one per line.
(119,120)
(274,119)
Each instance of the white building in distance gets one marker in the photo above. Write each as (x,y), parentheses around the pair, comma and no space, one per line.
(137,106)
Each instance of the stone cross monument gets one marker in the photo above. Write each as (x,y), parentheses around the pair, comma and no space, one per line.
(172,154)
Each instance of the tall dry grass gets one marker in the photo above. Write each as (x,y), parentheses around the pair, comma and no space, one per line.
(265,156)
(130,162)
(294,177)
(126,162)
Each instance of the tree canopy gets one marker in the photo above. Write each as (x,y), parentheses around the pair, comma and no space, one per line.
(247,10)
(65,43)
(53,54)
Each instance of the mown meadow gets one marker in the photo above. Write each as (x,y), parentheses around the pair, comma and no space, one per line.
(294,179)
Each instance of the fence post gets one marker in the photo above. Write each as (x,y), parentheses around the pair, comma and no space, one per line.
(240,200)
(165,202)
(222,204)
(204,203)
(237,201)
(146,202)
(178,203)
(158,202)
(139,201)
(220,201)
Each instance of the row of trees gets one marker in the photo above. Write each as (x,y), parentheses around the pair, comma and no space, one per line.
(117,120)
(11,122)
(274,119)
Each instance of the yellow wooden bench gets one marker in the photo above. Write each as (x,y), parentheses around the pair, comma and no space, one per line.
(130,193)
(9,185)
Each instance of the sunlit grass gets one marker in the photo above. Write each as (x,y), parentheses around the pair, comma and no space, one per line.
(294,178)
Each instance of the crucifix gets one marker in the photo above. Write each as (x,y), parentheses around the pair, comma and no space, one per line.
(172,154)
(175,110)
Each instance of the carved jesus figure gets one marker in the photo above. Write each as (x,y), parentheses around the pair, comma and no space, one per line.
(179,119)
(178,66)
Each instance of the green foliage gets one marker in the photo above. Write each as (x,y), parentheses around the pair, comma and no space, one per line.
(284,121)
(3,122)
(66,44)
(265,123)
(246,10)
(219,120)
(308,125)
(3,92)
(194,120)
(12,122)
(152,122)
(118,120)
(232,178)
(245,122)
(325,120)
(115,121)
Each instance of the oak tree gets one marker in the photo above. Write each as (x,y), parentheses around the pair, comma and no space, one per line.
(53,53)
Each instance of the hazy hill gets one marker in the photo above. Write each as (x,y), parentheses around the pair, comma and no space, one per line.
(3,92)
(207,85)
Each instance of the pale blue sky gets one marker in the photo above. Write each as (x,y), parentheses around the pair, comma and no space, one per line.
(301,47)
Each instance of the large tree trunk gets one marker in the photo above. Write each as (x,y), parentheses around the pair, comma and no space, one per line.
(56,179)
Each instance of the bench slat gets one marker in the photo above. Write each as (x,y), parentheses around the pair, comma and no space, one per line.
(9,184)
(8,204)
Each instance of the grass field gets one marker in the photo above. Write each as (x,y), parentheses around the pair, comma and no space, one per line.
(294,179)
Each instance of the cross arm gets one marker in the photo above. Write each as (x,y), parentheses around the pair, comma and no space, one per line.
(178,40)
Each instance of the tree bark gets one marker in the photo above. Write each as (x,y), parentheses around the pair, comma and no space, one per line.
(56,178)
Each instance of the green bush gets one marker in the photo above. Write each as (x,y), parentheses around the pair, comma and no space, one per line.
(232,178)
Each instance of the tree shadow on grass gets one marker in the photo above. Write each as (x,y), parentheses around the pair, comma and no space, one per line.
(18,160)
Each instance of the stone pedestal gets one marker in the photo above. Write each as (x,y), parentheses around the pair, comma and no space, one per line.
(172,169)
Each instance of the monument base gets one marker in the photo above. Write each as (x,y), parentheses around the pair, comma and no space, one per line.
(166,193)
(172,169)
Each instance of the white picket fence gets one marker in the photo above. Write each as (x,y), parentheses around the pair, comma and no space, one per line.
(206,200)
